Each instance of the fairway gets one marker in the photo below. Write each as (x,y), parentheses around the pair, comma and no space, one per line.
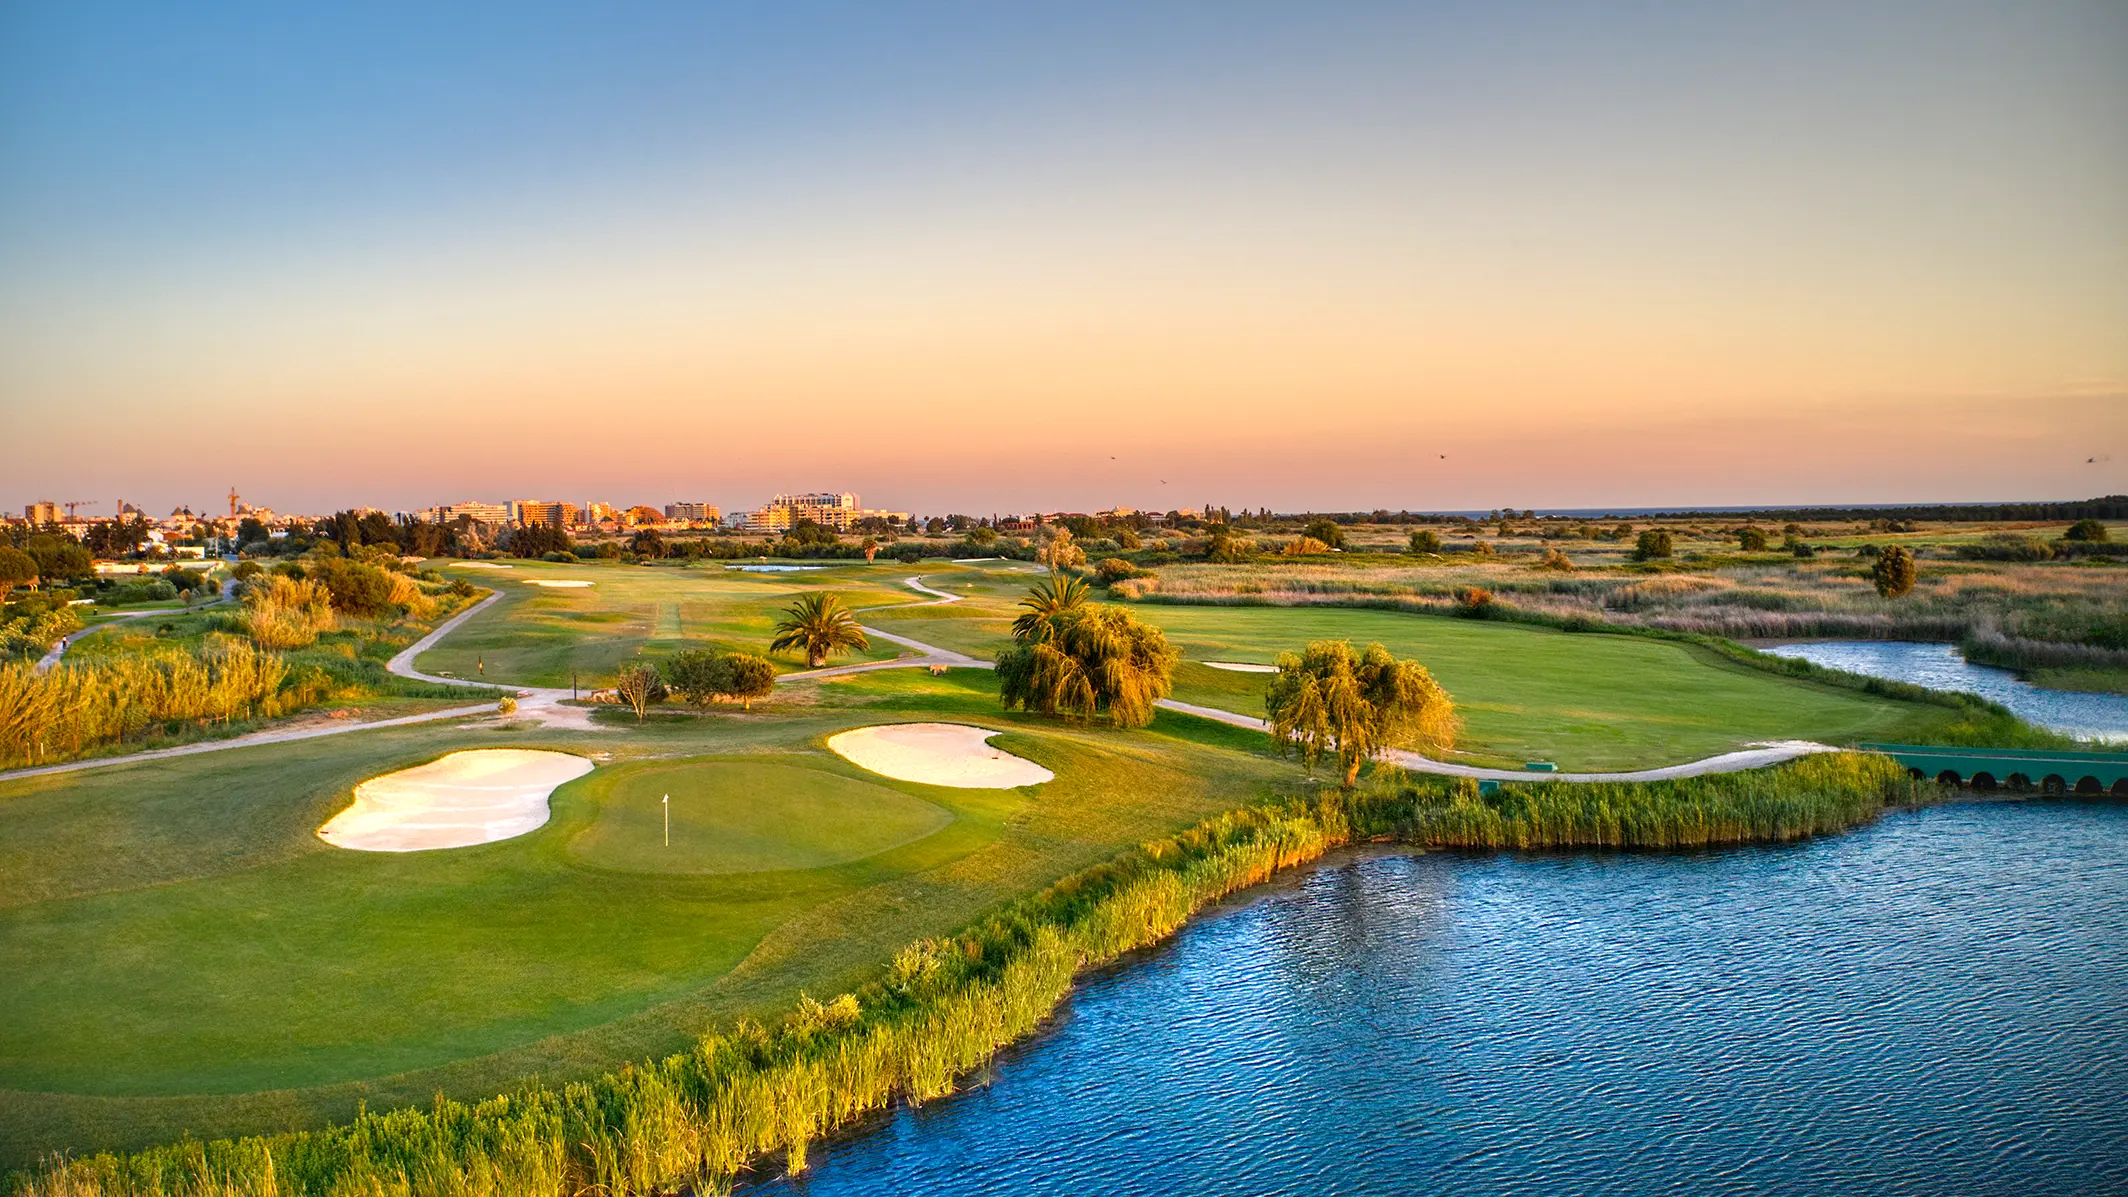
(179,951)
(541,635)
(740,816)
(1582,701)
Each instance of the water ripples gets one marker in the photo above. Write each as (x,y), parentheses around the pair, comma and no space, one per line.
(1938,1004)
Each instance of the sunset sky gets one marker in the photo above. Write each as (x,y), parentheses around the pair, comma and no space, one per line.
(980,257)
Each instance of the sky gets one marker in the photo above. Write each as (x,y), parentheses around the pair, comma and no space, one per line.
(981,257)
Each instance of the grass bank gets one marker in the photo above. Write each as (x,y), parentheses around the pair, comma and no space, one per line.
(751,1092)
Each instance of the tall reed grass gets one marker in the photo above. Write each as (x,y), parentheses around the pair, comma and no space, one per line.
(75,707)
(752,1093)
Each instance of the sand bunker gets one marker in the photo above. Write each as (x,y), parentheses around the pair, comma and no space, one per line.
(482,565)
(472,797)
(1240,667)
(937,754)
(557,583)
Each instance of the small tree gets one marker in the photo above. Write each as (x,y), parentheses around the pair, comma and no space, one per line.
(1752,540)
(698,675)
(1894,571)
(1327,531)
(749,677)
(1060,552)
(2087,530)
(820,625)
(871,549)
(639,686)
(1425,541)
(1652,545)
(1356,705)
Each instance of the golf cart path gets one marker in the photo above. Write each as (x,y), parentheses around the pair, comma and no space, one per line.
(1756,756)
(49,659)
(538,703)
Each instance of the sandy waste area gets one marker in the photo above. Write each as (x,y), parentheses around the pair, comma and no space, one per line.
(937,754)
(1240,667)
(472,797)
(558,583)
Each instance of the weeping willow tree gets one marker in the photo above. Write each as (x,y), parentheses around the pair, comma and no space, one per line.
(1089,661)
(1331,700)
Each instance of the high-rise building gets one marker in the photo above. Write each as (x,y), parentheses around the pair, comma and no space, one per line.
(693,513)
(486,513)
(552,512)
(42,512)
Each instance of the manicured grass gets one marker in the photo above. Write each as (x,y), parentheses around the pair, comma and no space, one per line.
(179,952)
(745,816)
(540,636)
(1582,701)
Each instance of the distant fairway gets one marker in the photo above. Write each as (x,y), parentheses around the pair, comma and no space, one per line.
(746,817)
(542,636)
(1583,701)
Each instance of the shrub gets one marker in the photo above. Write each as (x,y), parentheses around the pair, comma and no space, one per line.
(1115,569)
(282,612)
(506,705)
(1326,532)
(356,588)
(1803,550)
(1474,602)
(1425,541)
(558,558)
(247,570)
(1482,549)
(2007,546)
(1304,546)
(1751,539)
(1894,572)
(1556,561)
(2090,531)
(1653,545)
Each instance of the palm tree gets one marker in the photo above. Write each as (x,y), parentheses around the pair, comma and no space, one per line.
(1330,699)
(1046,601)
(1089,661)
(821,625)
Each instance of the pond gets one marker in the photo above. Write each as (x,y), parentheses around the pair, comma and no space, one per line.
(1933,1005)
(1943,667)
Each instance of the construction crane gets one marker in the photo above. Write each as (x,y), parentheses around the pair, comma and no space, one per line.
(71,504)
(233,496)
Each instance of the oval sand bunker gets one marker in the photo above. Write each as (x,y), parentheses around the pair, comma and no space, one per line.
(472,797)
(937,754)
(558,583)
(1241,667)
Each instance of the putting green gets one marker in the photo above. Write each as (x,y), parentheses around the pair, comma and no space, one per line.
(746,817)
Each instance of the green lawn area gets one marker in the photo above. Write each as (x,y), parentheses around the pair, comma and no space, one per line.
(1583,701)
(541,636)
(180,953)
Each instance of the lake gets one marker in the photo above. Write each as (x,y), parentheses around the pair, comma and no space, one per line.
(1943,667)
(1937,1004)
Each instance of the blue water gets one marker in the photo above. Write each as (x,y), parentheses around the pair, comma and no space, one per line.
(1934,1005)
(1942,667)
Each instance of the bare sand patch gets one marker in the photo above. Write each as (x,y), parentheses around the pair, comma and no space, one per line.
(557,583)
(482,565)
(473,797)
(1239,667)
(937,754)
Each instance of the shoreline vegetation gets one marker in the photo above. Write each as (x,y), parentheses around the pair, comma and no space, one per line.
(749,1095)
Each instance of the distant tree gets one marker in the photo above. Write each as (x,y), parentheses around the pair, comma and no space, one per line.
(1653,545)
(2090,531)
(17,568)
(819,625)
(1089,662)
(1225,548)
(1046,603)
(1327,531)
(247,570)
(59,558)
(537,540)
(809,536)
(1622,532)
(1425,541)
(648,543)
(639,685)
(982,536)
(1356,705)
(1751,539)
(356,588)
(1061,552)
(251,530)
(1894,571)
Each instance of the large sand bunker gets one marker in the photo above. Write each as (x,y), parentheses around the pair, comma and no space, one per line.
(472,797)
(1241,667)
(558,583)
(937,754)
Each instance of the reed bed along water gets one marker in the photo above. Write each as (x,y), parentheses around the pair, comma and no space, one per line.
(747,1094)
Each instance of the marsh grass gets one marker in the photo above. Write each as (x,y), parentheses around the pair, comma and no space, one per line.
(749,1095)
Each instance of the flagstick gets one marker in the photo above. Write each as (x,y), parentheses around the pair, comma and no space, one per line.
(668,820)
